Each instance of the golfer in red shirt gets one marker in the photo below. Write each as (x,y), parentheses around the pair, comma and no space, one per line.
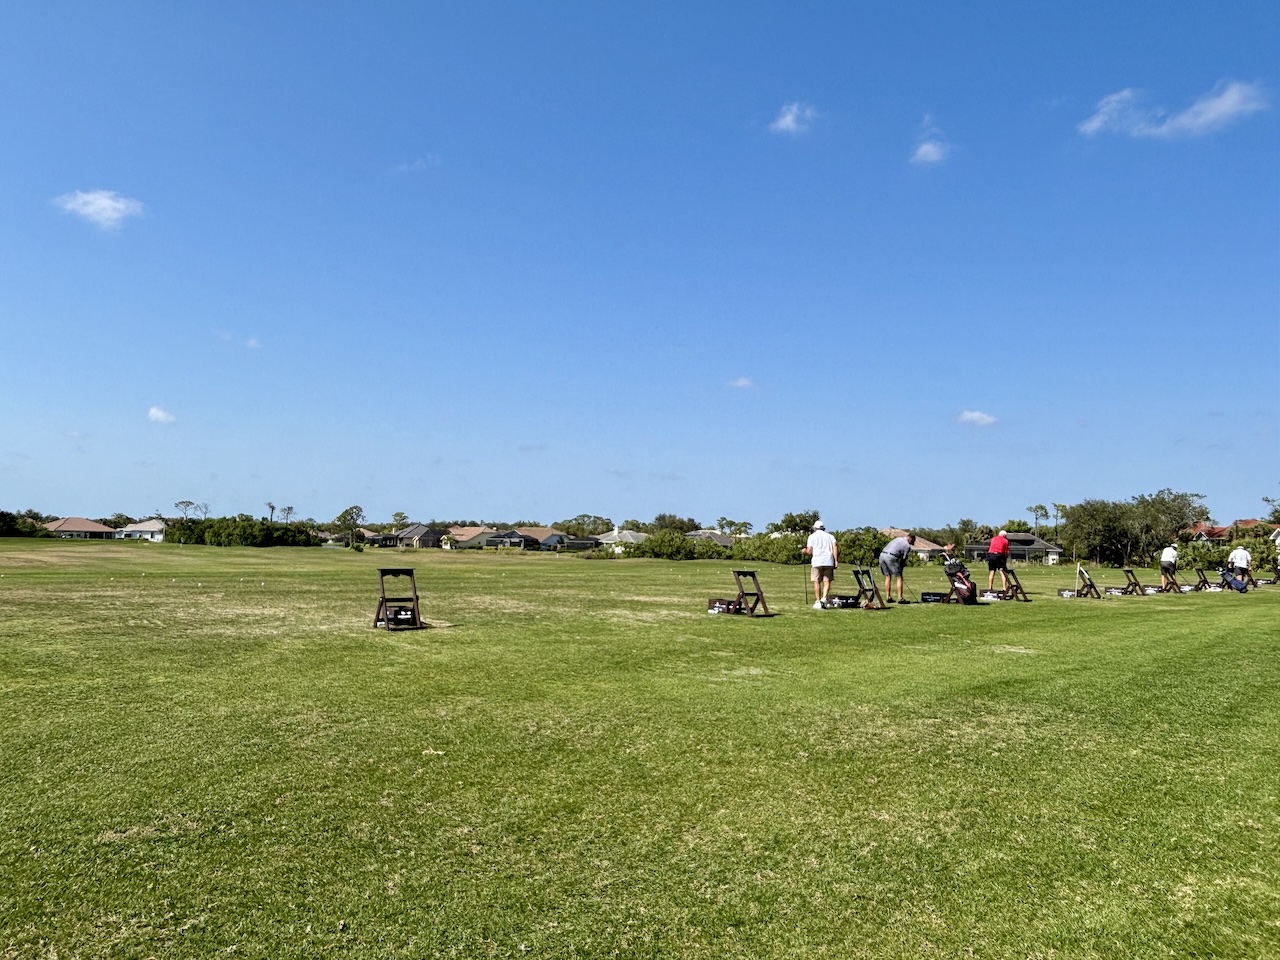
(998,559)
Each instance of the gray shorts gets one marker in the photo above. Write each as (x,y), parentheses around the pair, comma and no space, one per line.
(890,566)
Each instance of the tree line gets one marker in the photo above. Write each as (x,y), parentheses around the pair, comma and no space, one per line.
(1109,532)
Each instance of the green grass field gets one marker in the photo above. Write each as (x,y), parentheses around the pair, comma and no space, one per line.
(211,752)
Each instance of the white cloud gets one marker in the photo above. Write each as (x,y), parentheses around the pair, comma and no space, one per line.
(157,415)
(105,208)
(930,152)
(930,149)
(977,418)
(794,117)
(1124,113)
(742,383)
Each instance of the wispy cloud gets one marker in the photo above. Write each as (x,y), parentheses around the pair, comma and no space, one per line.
(977,418)
(793,118)
(1125,113)
(741,383)
(158,415)
(428,162)
(105,208)
(931,149)
(226,336)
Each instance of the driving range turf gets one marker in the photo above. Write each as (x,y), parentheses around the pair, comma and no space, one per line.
(212,752)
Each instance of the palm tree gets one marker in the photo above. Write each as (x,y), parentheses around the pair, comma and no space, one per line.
(1038,512)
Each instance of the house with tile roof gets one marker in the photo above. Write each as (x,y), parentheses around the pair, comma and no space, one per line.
(618,539)
(79,528)
(922,548)
(152,530)
(466,538)
(420,536)
(549,537)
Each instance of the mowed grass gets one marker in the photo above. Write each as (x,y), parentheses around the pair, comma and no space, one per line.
(211,752)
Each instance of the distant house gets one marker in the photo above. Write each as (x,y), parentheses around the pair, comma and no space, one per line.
(619,538)
(922,548)
(1209,533)
(152,530)
(549,538)
(511,539)
(715,536)
(78,528)
(466,538)
(420,536)
(1022,546)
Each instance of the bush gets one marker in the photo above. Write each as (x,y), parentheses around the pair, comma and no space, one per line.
(861,547)
(1204,556)
(766,548)
(666,544)
(240,531)
(709,550)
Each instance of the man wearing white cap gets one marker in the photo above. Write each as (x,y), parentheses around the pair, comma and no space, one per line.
(1168,564)
(822,548)
(1239,561)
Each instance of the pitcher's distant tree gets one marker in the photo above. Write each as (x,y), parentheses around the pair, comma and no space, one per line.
(800,523)
(349,520)
(286,514)
(184,507)
(272,507)
(734,528)
(1058,510)
(585,525)
(1039,512)
(203,510)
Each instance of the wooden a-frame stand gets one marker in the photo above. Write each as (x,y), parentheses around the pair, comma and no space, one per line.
(1087,587)
(868,591)
(748,600)
(1014,591)
(398,613)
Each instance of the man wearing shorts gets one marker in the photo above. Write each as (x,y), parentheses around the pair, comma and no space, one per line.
(822,547)
(1239,561)
(892,559)
(1168,565)
(998,559)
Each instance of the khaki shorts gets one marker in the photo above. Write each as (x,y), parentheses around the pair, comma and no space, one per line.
(822,573)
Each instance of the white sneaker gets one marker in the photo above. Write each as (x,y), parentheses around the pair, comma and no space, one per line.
(817,604)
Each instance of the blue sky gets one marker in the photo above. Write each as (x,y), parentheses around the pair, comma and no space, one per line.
(901,263)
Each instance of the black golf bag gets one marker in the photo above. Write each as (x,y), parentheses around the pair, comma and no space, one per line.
(1229,579)
(961,583)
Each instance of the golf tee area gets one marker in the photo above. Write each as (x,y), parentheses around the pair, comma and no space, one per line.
(212,752)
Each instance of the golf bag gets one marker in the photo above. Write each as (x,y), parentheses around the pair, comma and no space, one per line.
(961,582)
(1235,583)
